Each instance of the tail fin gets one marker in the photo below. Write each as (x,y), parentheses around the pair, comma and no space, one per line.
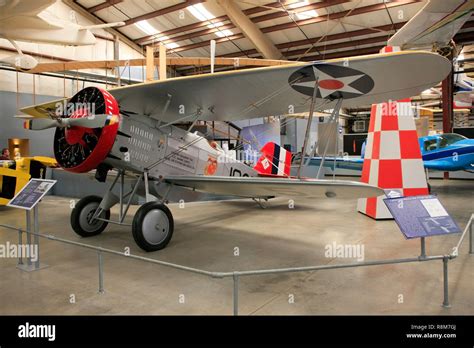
(392,157)
(275,160)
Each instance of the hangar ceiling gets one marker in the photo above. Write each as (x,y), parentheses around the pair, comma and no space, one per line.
(301,30)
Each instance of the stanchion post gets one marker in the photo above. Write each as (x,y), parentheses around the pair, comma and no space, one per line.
(445,282)
(235,278)
(36,237)
(471,239)
(28,236)
(423,247)
(20,245)
(101,273)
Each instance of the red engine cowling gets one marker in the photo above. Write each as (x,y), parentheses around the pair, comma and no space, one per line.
(81,149)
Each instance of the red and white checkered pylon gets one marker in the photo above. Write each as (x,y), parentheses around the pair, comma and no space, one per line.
(392,157)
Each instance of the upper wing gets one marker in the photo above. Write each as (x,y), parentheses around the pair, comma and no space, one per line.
(436,23)
(281,90)
(268,187)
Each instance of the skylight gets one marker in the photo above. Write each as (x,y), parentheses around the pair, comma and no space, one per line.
(171,45)
(305,14)
(215,25)
(225,32)
(200,12)
(146,27)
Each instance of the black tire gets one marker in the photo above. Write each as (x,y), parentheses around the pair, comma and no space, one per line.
(152,226)
(83,210)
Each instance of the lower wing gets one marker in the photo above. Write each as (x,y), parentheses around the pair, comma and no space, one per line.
(341,163)
(255,187)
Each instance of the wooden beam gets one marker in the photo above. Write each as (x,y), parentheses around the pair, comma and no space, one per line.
(261,42)
(150,64)
(162,62)
(103,5)
(173,61)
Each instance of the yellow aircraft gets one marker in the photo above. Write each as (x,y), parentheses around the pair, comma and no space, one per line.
(15,174)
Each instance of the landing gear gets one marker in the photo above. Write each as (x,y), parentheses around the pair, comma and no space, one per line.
(82,217)
(152,226)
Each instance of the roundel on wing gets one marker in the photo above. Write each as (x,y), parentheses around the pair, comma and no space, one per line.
(334,81)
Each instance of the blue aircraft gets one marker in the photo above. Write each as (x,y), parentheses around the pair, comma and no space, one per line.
(447,152)
(444,152)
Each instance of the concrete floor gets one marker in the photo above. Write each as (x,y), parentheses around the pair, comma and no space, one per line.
(205,237)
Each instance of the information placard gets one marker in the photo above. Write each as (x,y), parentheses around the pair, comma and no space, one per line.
(421,216)
(31,193)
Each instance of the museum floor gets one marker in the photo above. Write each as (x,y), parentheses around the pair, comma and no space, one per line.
(205,237)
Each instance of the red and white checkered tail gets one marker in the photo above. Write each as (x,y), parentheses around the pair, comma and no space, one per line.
(392,157)
(274,161)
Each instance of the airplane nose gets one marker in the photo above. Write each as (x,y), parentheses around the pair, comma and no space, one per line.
(80,149)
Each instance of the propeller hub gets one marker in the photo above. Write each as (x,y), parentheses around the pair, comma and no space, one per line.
(74,135)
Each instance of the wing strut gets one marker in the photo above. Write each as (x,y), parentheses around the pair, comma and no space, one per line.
(334,118)
(308,126)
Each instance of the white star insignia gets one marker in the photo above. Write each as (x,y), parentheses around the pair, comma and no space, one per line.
(346,81)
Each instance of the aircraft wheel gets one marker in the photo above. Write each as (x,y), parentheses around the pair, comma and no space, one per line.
(82,214)
(152,226)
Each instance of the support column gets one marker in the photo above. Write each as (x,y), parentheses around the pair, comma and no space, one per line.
(162,65)
(150,64)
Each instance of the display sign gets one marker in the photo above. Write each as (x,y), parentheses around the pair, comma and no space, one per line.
(31,193)
(421,216)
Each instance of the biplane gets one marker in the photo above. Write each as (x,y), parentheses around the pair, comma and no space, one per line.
(133,130)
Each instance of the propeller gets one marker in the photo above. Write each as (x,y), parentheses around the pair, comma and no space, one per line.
(85,129)
(93,121)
